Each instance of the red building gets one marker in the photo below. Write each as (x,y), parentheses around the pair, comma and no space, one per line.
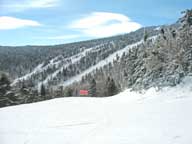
(83,92)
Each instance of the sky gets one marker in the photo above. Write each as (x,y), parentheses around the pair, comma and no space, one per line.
(49,22)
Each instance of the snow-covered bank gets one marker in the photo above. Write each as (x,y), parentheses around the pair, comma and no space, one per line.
(153,117)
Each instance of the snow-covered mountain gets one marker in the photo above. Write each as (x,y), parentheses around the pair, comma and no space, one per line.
(56,68)
(147,73)
(149,57)
(53,71)
(127,118)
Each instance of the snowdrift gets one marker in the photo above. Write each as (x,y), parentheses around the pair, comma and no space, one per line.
(150,117)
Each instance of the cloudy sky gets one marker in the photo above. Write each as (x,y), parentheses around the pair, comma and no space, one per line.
(45,22)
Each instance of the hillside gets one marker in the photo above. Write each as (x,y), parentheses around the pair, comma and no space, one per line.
(129,117)
(19,61)
(149,57)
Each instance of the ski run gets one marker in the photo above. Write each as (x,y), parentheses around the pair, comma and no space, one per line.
(149,117)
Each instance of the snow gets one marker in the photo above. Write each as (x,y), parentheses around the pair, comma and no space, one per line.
(157,28)
(74,59)
(150,117)
(38,69)
(104,62)
(59,62)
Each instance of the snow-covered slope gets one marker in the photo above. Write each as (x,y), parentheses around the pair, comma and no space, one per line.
(55,62)
(104,62)
(151,117)
(58,63)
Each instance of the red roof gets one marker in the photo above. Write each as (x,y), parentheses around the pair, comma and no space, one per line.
(83,92)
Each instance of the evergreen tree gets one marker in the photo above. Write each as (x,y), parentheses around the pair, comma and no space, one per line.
(43,92)
(59,92)
(173,32)
(145,37)
(111,87)
(93,88)
(68,92)
(4,84)
(4,88)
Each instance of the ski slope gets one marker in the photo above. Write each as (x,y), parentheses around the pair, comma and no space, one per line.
(104,62)
(74,59)
(59,62)
(40,68)
(150,117)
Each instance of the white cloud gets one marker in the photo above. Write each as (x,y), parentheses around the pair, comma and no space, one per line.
(28,4)
(43,3)
(103,24)
(7,23)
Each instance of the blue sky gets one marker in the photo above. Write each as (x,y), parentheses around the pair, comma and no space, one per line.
(48,22)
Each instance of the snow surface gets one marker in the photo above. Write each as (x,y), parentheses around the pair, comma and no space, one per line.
(38,69)
(74,59)
(58,63)
(150,117)
(157,28)
(104,62)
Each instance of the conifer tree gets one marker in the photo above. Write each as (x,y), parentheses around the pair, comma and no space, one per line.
(4,84)
(93,88)
(111,87)
(4,88)
(43,92)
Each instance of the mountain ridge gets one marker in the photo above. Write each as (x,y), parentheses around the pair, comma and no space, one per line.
(159,57)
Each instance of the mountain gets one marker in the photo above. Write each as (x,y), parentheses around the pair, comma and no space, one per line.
(20,61)
(126,118)
(156,56)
